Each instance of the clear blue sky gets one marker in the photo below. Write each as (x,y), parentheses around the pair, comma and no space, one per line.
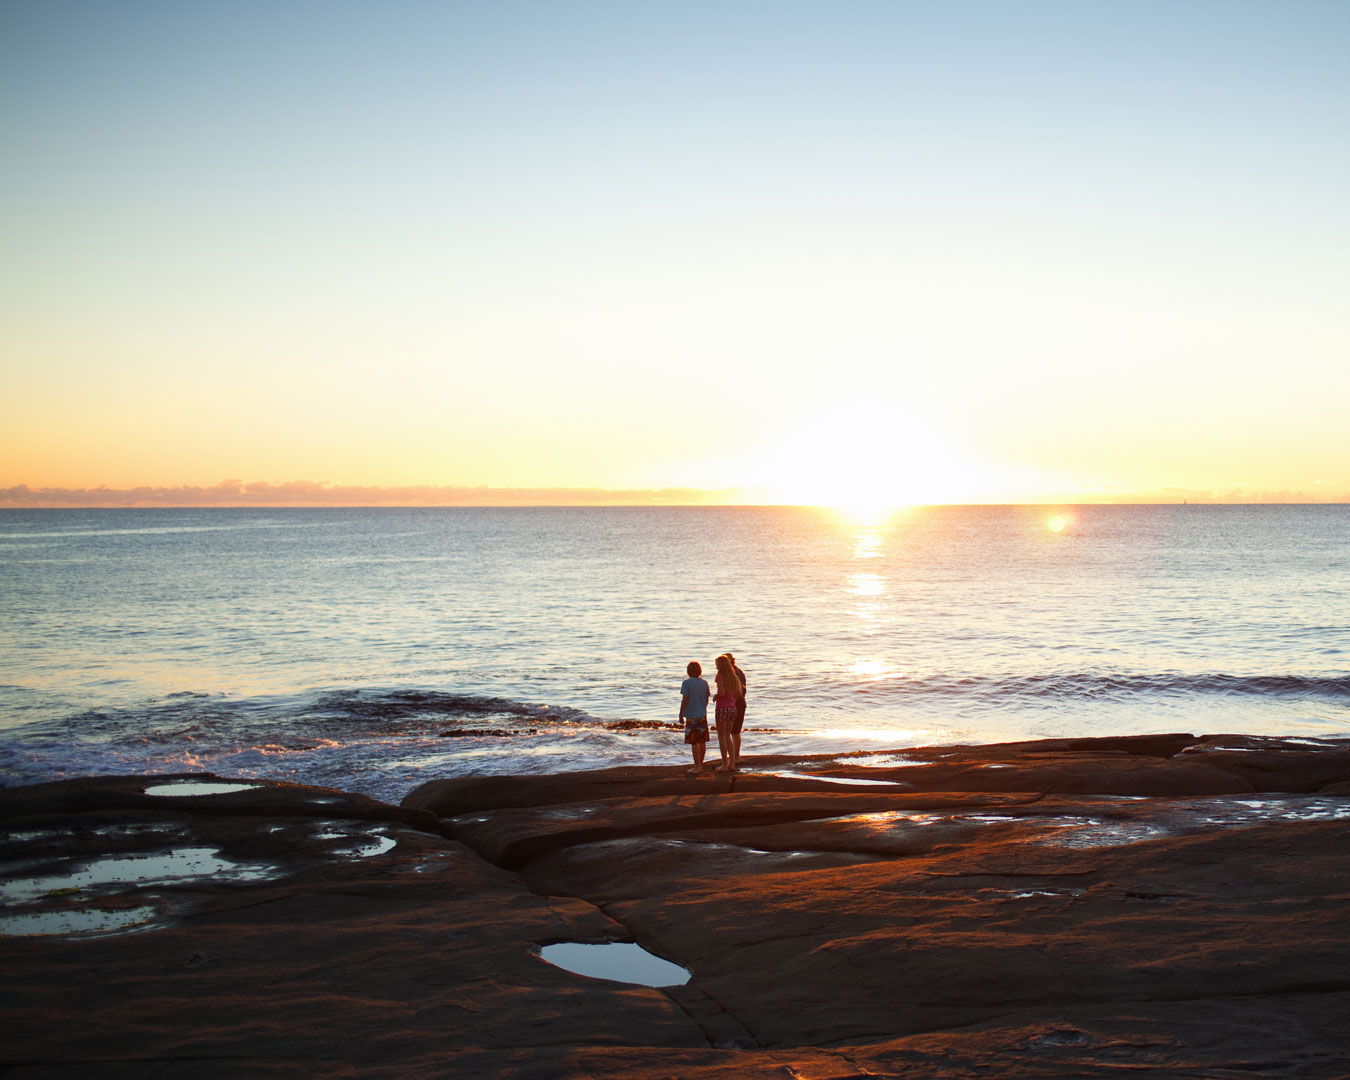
(1055,247)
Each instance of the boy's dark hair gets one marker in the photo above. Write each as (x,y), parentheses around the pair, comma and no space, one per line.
(694,669)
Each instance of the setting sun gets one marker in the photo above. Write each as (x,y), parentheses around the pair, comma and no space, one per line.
(866,460)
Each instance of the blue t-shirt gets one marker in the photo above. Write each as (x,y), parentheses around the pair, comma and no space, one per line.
(696,690)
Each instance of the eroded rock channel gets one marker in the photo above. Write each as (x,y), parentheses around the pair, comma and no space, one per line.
(1167,905)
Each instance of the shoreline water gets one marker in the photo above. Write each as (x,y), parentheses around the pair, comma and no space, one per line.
(323,645)
(383,744)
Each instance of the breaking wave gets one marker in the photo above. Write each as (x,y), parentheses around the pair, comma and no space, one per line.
(1096,686)
(375,741)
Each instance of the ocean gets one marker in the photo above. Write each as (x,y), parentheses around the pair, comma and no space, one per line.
(374,649)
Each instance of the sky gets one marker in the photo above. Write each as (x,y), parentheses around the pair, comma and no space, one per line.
(847,252)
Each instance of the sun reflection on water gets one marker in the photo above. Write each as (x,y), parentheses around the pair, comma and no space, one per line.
(867,585)
(867,544)
(897,736)
(869,609)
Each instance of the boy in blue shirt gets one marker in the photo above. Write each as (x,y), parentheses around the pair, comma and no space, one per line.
(694,714)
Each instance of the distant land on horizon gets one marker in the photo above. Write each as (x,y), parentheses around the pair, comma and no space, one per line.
(316,494)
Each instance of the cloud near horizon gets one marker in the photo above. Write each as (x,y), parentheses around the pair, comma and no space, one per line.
(311,493)
(300,493)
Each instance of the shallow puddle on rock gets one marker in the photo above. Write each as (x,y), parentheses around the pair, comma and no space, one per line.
(615,961)
(884,761)
(892,819)
(73,921)
(158,868)
(1214,748)
(834,779)
(715,858)
(137,828)
(1258,811)
(767,854)
(197,787)
(1304,809)
(376,845)
(32,836)
(1081,833)
(1056,1039)
(363,846)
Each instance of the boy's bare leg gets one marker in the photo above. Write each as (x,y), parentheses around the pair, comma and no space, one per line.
(698,748)
(736,752)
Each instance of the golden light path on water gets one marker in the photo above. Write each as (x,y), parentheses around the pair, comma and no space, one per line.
(890,736)
(868,585)
(869,588)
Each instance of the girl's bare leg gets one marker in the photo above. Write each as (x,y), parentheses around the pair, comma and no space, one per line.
(723,747)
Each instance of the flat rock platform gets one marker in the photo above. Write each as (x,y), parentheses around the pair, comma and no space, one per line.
(1160,906)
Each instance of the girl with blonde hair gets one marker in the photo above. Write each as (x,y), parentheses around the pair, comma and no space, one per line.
(729,690)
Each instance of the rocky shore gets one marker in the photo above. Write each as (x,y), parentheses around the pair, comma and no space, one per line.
(1167,906)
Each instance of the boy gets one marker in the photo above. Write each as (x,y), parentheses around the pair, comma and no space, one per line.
(694,714)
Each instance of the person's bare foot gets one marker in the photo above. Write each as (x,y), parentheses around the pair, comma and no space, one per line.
(724,768)
(693,772)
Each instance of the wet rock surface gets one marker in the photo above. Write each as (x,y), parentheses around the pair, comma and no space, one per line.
(1167,906)
(190,791)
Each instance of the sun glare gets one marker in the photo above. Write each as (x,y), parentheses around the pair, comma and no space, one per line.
(866,668)
(894,736)
(866,461)
(1058,522)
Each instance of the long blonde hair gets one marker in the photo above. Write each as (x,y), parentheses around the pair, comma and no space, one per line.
(728,682)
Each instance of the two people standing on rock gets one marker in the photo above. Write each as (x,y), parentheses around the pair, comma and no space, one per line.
(730,713)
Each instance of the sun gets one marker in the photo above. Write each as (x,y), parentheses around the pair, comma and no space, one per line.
(866,460)
(865,507)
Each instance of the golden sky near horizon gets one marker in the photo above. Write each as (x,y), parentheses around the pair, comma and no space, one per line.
(867,253)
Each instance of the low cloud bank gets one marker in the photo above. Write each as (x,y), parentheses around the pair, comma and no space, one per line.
(1243,494)
(316,493)
(319,493)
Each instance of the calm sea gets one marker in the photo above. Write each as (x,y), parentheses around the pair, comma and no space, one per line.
(340,646)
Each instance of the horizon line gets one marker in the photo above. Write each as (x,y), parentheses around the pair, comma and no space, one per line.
(300,494)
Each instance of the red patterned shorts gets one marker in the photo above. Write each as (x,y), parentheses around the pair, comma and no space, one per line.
(695,729)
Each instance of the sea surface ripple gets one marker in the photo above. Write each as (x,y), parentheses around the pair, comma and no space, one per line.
(371,649)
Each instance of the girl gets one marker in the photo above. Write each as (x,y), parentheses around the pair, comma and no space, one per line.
(729,689)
